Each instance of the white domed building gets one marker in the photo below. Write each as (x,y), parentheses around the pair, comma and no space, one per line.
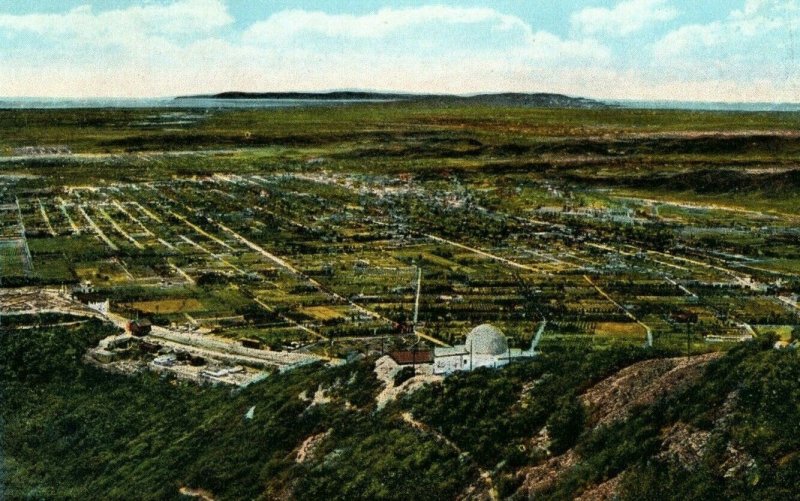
(485,346)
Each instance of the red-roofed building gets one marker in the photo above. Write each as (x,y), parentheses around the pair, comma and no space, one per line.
(410,357)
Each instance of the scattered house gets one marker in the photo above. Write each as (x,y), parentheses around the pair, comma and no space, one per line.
(85,287)
(100,306)
(714,338)
(193,360)
(251,343)
(684,317)
(167,360)
(57,149)
(451,299)
(196,361)
(146,347)
(111,348)
(103,356)
(140,328)
(222,372)
(122,342)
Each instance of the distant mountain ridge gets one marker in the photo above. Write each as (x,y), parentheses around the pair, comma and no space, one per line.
(545,100)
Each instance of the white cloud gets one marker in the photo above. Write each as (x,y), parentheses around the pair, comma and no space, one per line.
(83,24)
(690,37)
(746,31)
(192,46)
(423,49)
(382,23)
(626,18)
(446,35)
(130,52)
(751,54)
(548,47)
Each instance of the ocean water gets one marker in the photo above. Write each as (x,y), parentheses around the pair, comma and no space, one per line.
(706,106)
(207,103)
(165,102)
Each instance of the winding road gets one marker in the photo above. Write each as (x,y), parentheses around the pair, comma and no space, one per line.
(485,476)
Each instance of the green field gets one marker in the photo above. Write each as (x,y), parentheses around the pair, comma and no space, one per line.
(665,211)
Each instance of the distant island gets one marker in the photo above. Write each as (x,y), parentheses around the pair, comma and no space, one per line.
(534,100)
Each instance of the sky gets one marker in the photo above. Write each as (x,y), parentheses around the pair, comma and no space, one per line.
(687,50)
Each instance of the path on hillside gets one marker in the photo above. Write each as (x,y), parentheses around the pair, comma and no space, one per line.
(2,462)
(537,338)
(419,425)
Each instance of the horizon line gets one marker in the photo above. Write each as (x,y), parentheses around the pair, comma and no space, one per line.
(211,95)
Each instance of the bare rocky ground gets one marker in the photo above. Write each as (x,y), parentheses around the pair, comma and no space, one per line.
(200,494)
(386,369)
(603,492)
(641,384)
(545,475)
(309,447)
(612,400)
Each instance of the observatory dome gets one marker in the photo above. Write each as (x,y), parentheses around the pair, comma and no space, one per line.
(486,340)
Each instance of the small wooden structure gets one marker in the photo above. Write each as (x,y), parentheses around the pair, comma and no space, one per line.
(140,327)
(251,343)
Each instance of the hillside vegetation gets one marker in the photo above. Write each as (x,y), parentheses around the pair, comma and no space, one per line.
(719,427)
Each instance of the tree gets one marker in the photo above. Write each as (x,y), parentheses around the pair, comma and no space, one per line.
(768,340)
(566,424)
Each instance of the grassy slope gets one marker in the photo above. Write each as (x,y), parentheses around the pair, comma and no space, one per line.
(115,130)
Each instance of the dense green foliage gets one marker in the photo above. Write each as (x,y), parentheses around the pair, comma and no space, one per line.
(73,431)
(761,393)
(747,402)
(490,413)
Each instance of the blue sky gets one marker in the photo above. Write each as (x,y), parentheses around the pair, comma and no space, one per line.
(733,50)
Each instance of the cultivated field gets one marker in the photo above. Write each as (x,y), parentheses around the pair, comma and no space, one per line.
(304,229)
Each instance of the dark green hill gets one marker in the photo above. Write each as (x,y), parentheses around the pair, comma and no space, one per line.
(535,100)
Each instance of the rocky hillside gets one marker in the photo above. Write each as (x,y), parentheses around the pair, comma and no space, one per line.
(624,423)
